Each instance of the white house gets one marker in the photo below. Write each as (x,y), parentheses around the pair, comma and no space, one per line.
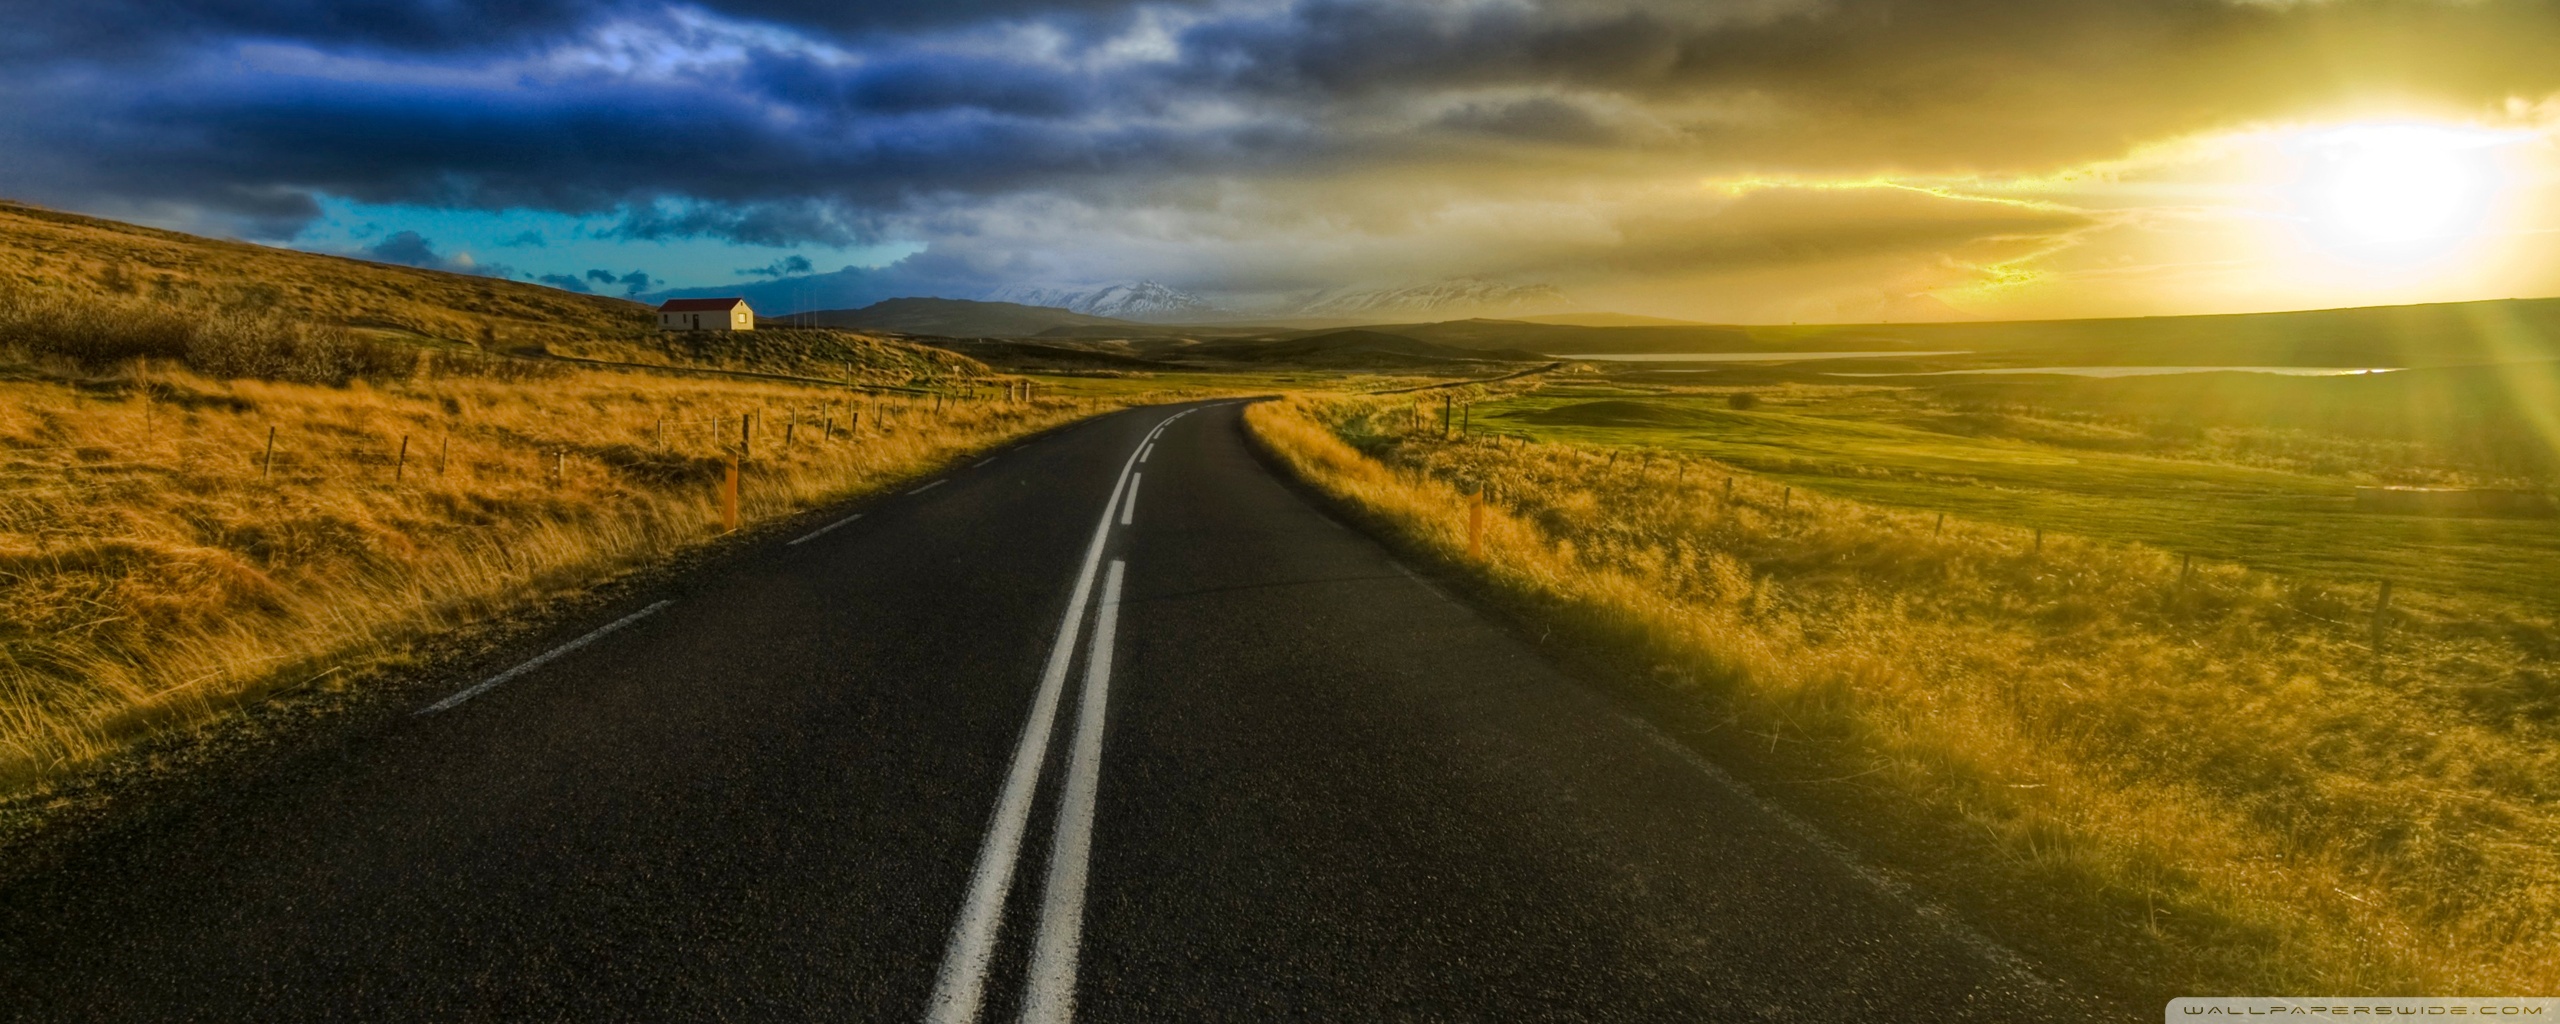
(706,315)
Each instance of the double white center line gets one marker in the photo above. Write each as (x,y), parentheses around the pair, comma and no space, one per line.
(959,990)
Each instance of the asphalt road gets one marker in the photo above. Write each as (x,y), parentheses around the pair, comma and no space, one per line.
(1079,732)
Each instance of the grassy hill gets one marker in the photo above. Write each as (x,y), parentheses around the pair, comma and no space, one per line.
(100,292)
(2437,334)
(44,253)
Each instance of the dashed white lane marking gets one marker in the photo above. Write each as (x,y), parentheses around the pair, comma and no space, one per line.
(542,659)
(983,462)
(928,487)
(1049,992)
(960,985)
(1129,510)
(824,530)
(1150,449)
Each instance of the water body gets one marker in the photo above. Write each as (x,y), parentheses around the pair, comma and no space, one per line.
(2148,371)
(1751,357)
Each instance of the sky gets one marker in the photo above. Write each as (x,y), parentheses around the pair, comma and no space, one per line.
(1755,161)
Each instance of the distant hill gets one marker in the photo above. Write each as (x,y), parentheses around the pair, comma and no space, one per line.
(1353,349)
(2437,334)
(1607,320)
(959,318)
(1143,300)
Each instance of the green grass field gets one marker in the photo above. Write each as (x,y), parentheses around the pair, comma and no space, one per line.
(2293,511)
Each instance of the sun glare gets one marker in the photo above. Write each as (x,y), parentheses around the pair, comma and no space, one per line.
(2395,193)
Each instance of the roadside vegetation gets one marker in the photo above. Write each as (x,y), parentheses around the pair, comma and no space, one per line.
(2185,776)
(230,469)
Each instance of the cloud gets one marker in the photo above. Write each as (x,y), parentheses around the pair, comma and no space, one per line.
(529,239)
(565,282)
(1236,145)
(787,266)
(410,249)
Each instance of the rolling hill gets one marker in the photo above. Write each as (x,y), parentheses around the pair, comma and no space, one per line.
(2436,334)
(99,290)
(961,318)
(47,252)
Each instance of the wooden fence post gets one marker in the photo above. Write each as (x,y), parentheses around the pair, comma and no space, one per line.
(267,467)
(400,468)
(746,435)
(2186,565)
(443,451)
(1934,531)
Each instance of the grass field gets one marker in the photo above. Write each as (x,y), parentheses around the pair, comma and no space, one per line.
(159,563)
(231,468)
(2178,782)
(2275,498)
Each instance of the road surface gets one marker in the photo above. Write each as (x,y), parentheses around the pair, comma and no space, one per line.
(1114,726)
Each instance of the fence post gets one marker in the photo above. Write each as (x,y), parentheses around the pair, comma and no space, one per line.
(729,499)
(662,433)
(401,468)
(267,467)
(1941,528)
(2186,565)
(746,435)
(442,451)
(2039,542)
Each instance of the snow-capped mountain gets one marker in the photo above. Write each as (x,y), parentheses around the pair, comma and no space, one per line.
(1460,297)
(1144,300)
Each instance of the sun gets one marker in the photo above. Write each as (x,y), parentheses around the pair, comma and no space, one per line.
(2395,193)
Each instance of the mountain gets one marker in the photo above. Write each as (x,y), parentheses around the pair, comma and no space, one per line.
(957,318)
(1142,301)
(1461,297)
(1353,349)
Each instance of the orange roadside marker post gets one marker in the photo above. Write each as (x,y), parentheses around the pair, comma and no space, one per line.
(1475,527)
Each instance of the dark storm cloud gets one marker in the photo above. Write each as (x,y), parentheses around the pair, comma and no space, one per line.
(565,282)
(776,122)
(410,249)
(789,266)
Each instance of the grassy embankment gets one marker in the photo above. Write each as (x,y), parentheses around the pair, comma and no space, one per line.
(2180,785)
(157,565)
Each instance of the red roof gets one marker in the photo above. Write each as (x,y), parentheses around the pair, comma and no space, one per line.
(700,305)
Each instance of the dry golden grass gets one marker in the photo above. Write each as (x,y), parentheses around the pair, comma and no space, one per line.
(154,570)
(47,252)
(2200,786)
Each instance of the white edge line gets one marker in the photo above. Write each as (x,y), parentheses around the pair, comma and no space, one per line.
(959,986)
(928,487)
(1049,987)
(1130,508)
(822,531)
(544,658)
